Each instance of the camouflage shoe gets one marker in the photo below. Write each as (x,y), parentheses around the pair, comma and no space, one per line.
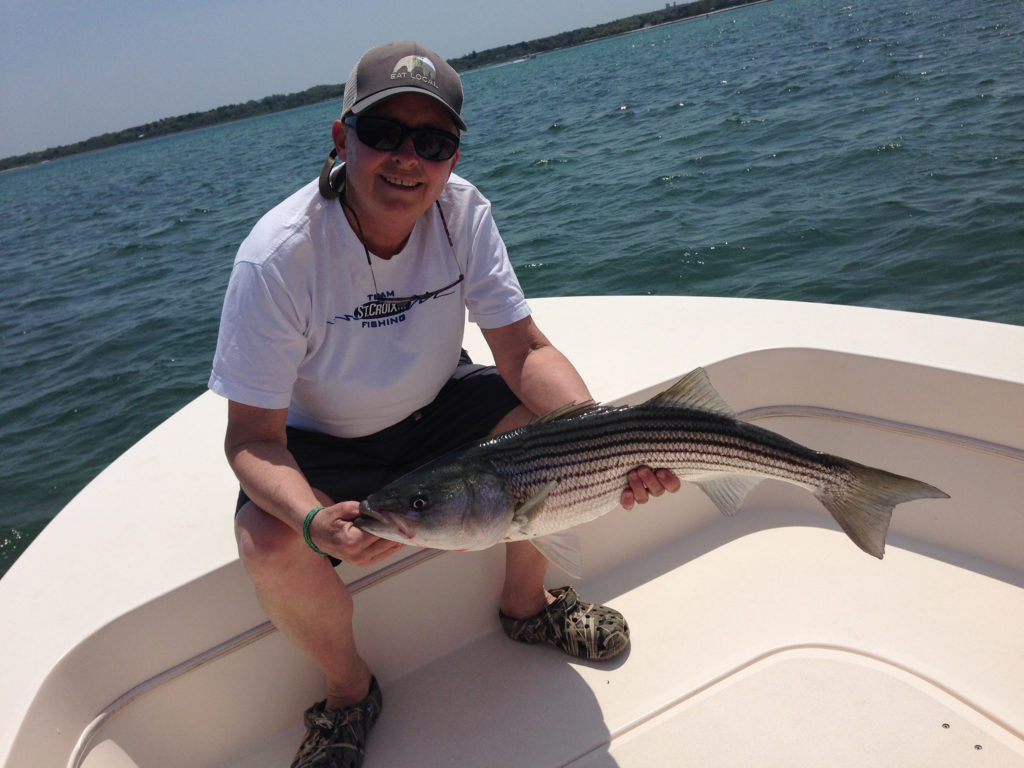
(335,738)
(584,630)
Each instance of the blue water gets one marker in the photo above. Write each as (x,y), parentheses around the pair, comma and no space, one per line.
(845,151)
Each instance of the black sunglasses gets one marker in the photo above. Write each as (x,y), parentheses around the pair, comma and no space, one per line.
(385,135)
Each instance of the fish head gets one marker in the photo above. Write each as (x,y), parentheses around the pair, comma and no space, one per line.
(447,504)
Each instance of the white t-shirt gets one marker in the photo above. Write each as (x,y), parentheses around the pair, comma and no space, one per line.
(299,329)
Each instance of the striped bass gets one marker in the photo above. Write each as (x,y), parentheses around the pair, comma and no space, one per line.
(570,467)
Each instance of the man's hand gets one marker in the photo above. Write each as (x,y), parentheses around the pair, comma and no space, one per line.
(333,532)
(645,482)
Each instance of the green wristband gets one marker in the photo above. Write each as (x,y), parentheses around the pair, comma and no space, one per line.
(305,531)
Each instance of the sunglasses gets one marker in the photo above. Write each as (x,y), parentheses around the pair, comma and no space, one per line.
(386,135)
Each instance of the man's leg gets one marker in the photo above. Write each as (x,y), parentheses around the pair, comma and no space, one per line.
(305,599)
(530,613)
(523,593)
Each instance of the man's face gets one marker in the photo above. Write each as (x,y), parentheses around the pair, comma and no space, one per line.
(391,189)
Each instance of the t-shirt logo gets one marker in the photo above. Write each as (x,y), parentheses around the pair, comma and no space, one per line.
(381,310)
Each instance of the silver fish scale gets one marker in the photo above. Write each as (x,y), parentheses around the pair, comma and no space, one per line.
(588,457)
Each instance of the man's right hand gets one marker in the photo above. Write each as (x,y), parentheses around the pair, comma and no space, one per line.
(333,532)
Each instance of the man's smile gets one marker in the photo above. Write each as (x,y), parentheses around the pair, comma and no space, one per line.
(395,181)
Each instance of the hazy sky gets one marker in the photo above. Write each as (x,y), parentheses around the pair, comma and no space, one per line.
(72,69)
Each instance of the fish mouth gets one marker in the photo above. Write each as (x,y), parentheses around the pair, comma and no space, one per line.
(369,517)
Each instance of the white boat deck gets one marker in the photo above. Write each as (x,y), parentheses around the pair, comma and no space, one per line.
(133,638)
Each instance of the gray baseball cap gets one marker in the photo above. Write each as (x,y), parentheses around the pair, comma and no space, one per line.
(404,67)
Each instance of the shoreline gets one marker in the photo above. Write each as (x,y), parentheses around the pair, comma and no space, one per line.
(704,15)
(498,56)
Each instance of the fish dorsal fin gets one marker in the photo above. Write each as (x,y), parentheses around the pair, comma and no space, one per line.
(694,390)
(567,411)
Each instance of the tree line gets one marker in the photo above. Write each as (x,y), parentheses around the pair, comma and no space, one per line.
(320,93)
(670,13)
(169,125)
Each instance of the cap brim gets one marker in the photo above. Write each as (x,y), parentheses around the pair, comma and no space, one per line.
(361,106)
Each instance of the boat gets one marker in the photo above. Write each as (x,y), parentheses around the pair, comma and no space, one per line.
(133,639)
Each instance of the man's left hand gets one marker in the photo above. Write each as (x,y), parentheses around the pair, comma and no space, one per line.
(645,482)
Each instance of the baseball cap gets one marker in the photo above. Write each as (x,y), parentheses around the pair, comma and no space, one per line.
(404,67)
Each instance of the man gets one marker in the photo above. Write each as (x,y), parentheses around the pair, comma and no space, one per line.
(340,355)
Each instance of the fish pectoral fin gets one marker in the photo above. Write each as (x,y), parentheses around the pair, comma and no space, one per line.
(694,390)
(525,512)
(562,549)
(728,491)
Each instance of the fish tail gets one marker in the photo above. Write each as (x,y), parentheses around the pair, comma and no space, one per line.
(863,505)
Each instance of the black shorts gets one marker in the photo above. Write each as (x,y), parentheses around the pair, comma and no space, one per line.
(467,408)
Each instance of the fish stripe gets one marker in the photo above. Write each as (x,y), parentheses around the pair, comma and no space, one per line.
(591,457)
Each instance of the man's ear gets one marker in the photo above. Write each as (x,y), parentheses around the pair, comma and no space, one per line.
(339,135)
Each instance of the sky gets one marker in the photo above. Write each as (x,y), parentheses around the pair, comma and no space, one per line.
(73,69)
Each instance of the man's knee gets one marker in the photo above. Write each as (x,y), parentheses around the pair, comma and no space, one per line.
(264,542)
(519,416)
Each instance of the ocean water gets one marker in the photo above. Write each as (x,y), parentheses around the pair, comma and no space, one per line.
(861,152)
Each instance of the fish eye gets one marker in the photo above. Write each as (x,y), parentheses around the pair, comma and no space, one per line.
(419,502)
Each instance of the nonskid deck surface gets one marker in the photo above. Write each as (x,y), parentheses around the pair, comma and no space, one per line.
(785,646)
